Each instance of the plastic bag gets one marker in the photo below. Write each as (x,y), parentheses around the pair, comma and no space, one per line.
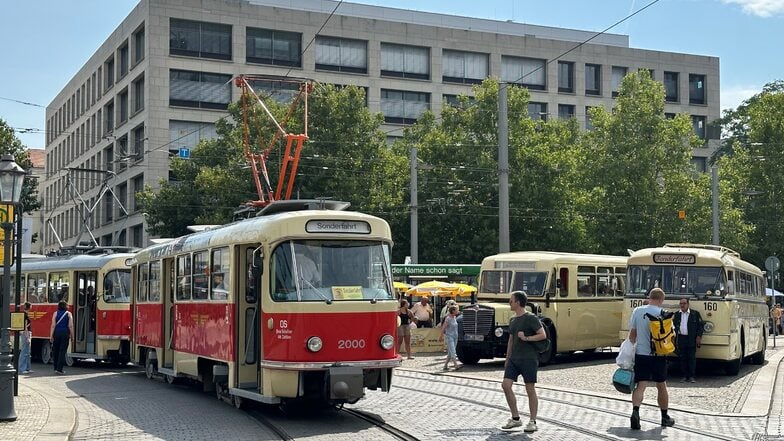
(412,325)
(625,359)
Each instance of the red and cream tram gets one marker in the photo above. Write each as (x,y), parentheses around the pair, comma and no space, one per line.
(296,303)
(97,288)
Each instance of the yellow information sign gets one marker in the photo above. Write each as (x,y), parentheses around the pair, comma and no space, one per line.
(6,215)
(17,321)
(347,292)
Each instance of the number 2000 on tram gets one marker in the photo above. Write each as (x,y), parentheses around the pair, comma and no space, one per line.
(295,303)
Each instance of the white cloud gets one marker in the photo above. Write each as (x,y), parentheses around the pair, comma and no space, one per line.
(732,96)
(761,8)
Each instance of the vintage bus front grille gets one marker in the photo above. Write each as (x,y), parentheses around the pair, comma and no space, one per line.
(478,321)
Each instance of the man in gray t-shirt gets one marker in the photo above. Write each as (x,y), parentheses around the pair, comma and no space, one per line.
(647,365)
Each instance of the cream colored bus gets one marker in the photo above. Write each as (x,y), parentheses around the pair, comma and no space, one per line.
(727,291)
(579,298)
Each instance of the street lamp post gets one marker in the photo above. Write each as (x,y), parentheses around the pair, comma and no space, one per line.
(11,179)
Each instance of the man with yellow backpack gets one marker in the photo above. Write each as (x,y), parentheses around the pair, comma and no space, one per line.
(650,361)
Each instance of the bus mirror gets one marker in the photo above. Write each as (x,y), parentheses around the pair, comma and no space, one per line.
(558,283)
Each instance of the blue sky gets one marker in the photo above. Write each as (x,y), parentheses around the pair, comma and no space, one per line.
(47,41)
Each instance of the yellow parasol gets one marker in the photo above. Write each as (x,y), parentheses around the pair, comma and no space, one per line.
(401,286)
(434,288)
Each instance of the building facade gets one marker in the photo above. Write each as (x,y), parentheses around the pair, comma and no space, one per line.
(162,79)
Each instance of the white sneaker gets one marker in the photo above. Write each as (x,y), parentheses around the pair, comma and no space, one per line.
(530,427)
(511,424)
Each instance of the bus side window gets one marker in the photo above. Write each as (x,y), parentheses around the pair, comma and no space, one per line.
(730,283)
(563,280)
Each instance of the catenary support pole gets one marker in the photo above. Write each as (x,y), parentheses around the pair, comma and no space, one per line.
(503,169)
(414,208)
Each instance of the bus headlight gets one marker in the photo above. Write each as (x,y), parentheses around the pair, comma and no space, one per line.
(707,326)
(387,342)
(315,344)
(499,332)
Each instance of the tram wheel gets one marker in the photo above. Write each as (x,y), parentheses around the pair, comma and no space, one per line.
(150,368)
(69,360)
(237,401)
(46,352)
(171,379)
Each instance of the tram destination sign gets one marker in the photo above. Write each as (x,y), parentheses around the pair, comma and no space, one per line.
(337,226)
(683,259)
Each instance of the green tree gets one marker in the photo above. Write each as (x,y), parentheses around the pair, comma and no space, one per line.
(637,166)
(10,144)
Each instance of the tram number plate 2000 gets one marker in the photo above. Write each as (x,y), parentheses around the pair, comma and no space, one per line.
(474,337)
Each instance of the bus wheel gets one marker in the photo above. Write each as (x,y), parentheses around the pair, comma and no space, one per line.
(150,368)
(46,352)
(733,366)
(467,356)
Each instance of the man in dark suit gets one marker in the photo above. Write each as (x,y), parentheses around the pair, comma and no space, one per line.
(688,326)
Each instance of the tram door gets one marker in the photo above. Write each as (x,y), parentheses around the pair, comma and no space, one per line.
(167,354)
(84,313)
(247,282)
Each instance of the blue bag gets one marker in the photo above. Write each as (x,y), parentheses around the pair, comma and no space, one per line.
(623,380)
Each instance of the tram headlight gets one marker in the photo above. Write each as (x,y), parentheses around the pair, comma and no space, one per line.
(315,344)
(387,342)
(707,326)
(499,332)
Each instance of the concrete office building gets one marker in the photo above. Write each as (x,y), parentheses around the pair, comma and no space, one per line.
(161,80)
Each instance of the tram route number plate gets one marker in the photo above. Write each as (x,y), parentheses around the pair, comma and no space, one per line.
(474,337)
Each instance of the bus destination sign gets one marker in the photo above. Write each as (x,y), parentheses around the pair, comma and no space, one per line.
(683,259)
(337,226)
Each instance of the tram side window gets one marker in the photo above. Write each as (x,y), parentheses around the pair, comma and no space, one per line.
(154,292)
(220,275)
(142,278)
(184,277)
(586,281)
(200,277)
(117,286)
(59,284)
(36,288)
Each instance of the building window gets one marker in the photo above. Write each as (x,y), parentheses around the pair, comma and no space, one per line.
(187,134)
(403,61)
(463,67)
(108,155)
(565,111)
(280,91)
(671,87)
(278,48)
(696,89)
(341,54)
(138,142)
(138,46)
(588,121)
(699,164)
(108,207)
(199,39)
(668,115)
(122,197)
(698,122)
(109,69)
(401,107)
(566,76)
(123,54)
(138,187)
(138,95)
(593,79)
(121,241)
(618,73)
(122,114)
(137,233)
(454,101)
(108,112)
(528,72)
(537,111)
(199,89)
(122,153)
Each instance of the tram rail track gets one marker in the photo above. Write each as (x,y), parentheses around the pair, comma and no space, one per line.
(387,428)
(544,398)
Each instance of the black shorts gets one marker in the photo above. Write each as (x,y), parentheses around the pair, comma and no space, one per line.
(650,368)
(526,367)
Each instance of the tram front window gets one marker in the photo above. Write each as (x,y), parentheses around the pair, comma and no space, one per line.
(675,280)
(311,270)
(117,286)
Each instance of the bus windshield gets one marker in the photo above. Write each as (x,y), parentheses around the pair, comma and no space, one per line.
(324,270)
(502,282)
(675,280)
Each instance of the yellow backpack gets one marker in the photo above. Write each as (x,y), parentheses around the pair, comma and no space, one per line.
(662,333)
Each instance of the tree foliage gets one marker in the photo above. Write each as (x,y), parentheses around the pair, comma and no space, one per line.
(10,144)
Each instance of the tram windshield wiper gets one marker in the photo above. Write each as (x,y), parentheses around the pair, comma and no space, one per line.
(302,280)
